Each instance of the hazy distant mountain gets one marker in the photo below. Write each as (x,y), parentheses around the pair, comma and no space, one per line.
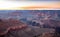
(51,23)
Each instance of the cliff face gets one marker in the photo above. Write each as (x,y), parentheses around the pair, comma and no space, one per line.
(15,28)
(6,25)
(29,31)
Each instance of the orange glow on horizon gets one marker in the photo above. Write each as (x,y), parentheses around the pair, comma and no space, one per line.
(34,7)
(53,6)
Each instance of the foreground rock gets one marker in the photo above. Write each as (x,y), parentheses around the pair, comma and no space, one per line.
(15,28)
(10,24)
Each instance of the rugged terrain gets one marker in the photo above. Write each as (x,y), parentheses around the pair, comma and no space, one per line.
(15,28)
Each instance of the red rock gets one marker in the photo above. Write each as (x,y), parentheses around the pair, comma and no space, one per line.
(13,24)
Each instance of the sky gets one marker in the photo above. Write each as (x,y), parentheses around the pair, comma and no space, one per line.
(28,5)
(30,0)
